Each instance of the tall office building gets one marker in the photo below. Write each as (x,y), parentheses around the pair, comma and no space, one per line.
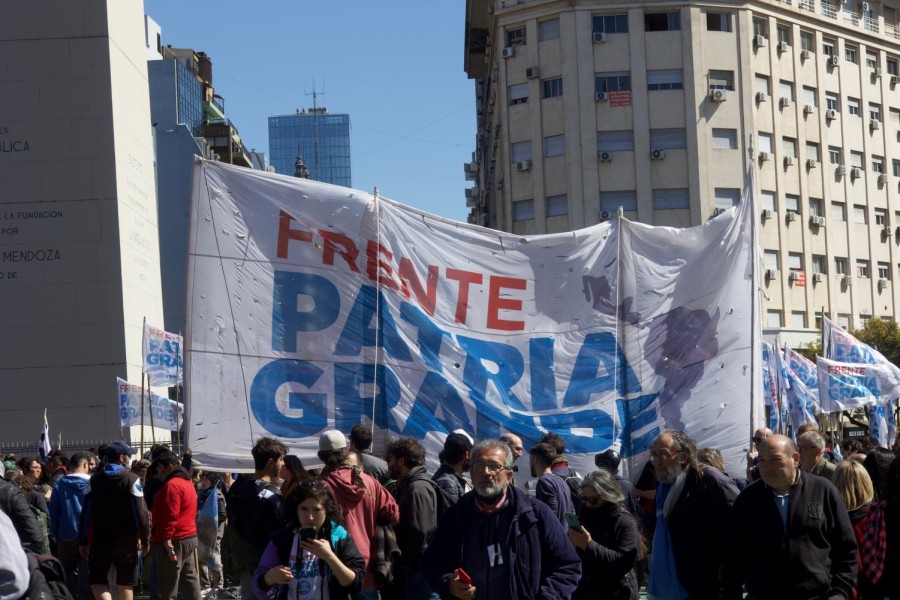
(585,107)
(78,240)
(320,138)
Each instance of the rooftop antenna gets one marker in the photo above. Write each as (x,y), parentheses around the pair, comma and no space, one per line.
(315,112)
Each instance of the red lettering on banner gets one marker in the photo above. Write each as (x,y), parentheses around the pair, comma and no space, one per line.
(340,243)
(286,234)
(465,278)
(374,263)
(840,370)
(408,277)
(496,303)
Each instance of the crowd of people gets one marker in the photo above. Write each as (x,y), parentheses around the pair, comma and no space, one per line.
(801,524)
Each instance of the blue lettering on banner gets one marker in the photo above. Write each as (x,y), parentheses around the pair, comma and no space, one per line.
(843,387)
(490,369)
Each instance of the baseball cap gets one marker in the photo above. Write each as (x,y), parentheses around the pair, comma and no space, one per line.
(608,459)
(118,448)
(332,440)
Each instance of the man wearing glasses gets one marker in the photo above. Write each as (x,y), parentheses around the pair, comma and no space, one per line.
(812,447)
(498,543)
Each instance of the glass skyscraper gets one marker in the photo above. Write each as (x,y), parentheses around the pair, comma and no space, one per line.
(322,139)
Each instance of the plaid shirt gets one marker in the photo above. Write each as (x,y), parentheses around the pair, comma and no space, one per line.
(871,536)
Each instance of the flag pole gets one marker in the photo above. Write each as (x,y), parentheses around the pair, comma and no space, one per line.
(143,343)
(756,327)
(150,402)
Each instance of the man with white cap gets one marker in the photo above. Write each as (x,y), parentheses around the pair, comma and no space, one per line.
(364,502)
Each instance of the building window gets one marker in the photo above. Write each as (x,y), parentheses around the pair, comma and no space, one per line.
(610,23)
(810,97)
(850,54)
(523,210)
(820,264)
(767,201)
(792,203)
(856,159)
(765,142)
(721,80)
(798,320)
(838,211)
(844,321)
(718,21)
(874,111)
(884,270)
(671,199)
(519,151)
(795,261)
(554,145)
(668,139)
(828,47)
(551,88)
(761,84)
(859,214)
(548,30)
(784,35)
(853,106)
(815,207)
(831,101)
(892,67)
(877,164)
(760,27)
(786,89)
(871,59)
(789,147)
(518,94)
(880,217)
(611,201)
(862,268)
(773,318)
(834,156)
(807,41)
(557,206)
(725,139)
(612,82)
(670,79)
(895,166)
(770,259)
(812,151)
(727,197)
(840,266)
(662,21)
(516,37)
(615,141)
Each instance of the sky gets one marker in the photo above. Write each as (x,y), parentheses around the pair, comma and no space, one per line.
(396,67)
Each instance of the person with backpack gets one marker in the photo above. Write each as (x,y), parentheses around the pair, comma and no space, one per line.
(417,497)
(454,463)
(551,490)
(254,511)
(561,468)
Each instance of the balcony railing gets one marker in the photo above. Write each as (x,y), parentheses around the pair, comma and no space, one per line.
(829,10)
(892,30)
(871,24)
(851,16)
(807,5)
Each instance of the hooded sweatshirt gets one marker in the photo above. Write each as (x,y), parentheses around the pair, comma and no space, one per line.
(175,508)
(362,510)
(114,508)
(66,504)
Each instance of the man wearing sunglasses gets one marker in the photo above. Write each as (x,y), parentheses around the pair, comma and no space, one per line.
(498,542)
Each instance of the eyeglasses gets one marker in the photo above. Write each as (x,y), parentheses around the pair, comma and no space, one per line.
(479,467)
(655,457)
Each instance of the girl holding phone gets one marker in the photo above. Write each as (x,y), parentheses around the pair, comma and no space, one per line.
(312,553)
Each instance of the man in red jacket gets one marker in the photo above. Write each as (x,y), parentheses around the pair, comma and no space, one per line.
(173,537)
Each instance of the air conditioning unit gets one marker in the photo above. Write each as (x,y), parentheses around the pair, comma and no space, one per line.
(875,124)
(523,165)
(766,214)
(789,161)
(808,109)
(472,193)
(601,96)
(657,154)
(855,173)
(764,156)
(532,72)
(834,60)
(895,79)
(760,96)
(831,114)
(882,283)
(760,41)
(791,216)
(784,102)
(886,231)
(806,54)
(841,170)
(847,280)
(509,52)
(599,37)
(605,215)
(817,221)
(877,72)
(794,276)
(864,7)
(782,47)
(811,163)
(606,157)
(882,179)
(771,274)
(471,202)
(718,95)
(717,212)
(818,277)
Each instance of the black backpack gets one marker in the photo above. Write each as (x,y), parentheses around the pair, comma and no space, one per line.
(47,579)
(444,501)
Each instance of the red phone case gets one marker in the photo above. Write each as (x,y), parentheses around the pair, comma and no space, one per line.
(463,576)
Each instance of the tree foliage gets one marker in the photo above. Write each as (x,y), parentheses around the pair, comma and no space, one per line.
(884,336)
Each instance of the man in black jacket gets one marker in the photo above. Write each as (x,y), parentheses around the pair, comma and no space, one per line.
(14,505)
(791,536)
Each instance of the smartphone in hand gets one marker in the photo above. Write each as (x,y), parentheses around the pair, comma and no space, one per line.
(307,534)
(572,520)
(463,576)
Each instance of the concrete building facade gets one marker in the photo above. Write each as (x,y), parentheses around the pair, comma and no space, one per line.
(587,107)
(78,234)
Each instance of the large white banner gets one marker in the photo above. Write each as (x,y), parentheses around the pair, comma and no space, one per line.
(163,359)
(314,307)
(845,386)
(163,413)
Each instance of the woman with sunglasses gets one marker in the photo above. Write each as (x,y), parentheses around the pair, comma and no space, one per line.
(313,553)
(606,539)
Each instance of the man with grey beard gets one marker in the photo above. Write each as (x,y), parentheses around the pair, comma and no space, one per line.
(498,543)
(693,512)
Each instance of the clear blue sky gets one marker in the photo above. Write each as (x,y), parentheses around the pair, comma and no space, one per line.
(396,67)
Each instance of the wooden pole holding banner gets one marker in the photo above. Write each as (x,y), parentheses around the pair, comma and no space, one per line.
(150,402)
(178,375)
(143,343)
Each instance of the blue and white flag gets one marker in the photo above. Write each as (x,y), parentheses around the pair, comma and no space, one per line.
(803,389)
(878,426)
(44,446)
(838,344)
(845,386)
(163,357)
(770,384)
